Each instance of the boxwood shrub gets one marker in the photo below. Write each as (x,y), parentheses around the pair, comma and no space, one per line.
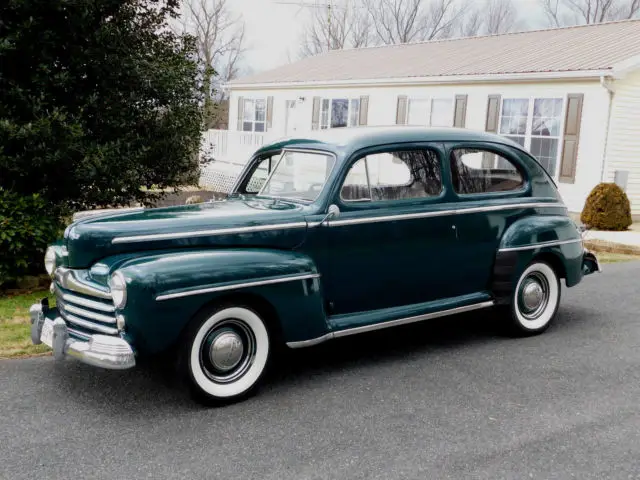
(27,225)
(607,208)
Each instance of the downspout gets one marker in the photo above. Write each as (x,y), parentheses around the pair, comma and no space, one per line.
(610,90)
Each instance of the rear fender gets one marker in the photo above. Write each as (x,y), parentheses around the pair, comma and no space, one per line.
(551,238)
(166,291)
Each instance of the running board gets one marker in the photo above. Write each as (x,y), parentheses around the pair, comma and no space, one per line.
(389,324)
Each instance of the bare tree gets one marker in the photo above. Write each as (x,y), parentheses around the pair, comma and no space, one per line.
(580,12)
(501,16)
(220,38)
(402,21)
(335,27)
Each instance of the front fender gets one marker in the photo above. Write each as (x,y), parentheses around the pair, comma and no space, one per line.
(166,290)
(553,236)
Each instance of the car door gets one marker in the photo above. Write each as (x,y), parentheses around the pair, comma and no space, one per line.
(393,240)
(489,180)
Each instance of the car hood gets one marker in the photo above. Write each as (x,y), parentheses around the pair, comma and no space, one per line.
(236,222)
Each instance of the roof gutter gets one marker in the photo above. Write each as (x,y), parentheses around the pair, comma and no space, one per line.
(433,80)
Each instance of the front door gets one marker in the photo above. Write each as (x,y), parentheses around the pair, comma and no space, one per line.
(290,120)
(394,239)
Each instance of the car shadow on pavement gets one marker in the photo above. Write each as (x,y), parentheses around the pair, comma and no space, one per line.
(152,389)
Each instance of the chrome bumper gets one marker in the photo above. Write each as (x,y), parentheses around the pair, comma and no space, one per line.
(100,350)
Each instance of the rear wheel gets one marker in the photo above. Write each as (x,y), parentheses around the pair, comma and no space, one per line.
(225,354)
(535,300)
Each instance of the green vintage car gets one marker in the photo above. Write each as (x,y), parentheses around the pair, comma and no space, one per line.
(337,233)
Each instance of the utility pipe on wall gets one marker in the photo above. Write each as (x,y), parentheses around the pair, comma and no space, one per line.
(610,90)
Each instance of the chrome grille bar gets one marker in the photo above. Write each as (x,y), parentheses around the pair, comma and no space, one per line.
(88,325)
(84,302)
(85,313)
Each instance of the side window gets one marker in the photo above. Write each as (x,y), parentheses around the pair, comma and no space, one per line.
(481,171)
(396,175)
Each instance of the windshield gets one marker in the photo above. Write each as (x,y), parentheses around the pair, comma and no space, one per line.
(299,175)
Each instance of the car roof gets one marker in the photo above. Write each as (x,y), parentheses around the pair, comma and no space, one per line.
(355,138)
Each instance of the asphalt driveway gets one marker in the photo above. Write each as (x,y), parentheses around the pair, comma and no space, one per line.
(446,399)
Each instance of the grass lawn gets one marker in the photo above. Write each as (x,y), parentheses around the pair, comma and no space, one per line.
(15,327)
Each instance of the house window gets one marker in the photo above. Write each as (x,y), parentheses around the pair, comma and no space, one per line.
(255,115)
(534,123)
(430,112)
(339,112)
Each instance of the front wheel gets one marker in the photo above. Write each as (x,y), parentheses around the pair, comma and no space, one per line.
(225,354)
(535,300)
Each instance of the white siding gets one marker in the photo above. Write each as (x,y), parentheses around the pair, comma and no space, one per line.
(623,149)
(382,111)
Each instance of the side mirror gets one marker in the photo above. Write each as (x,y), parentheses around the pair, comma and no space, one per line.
(332,212)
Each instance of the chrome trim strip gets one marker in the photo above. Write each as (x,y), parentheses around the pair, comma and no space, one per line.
(257,283)
(67,280)
(391,323)
(67,297)
(86,313)
(540,245)
(207,233)
(88,325)
(78,333)
(439,213)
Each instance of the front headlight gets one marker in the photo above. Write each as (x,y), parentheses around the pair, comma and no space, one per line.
(118,288)
(50,260)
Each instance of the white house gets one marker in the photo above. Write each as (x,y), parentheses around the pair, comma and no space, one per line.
(571,96)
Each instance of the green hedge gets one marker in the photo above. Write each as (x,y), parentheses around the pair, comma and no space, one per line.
(27,225)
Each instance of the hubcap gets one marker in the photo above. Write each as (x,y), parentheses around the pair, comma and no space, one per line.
(533,297)
(226,351)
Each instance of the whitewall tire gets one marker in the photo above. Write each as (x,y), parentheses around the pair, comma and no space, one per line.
(225,354)
(535,299)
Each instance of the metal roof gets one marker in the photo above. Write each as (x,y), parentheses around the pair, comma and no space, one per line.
(584,48)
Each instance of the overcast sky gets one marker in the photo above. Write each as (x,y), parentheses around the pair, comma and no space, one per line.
(273,30)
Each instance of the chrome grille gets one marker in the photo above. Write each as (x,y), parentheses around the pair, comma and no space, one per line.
(84,314)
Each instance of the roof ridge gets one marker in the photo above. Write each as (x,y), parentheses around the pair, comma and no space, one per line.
(455,39)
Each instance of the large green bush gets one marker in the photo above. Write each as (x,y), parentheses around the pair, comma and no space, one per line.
(607,208)
(98,99)
(27,225)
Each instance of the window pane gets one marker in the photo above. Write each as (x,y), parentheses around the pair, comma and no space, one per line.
(339,113)
(514,116)
(546,152)
(247,127)
(476,171)
(441,112)
(299,175)
(259,127)
(261,108)
(404,174)
(517,139)
(355,186)
(546,117)
(418,112)
(248,110)
(354,114)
